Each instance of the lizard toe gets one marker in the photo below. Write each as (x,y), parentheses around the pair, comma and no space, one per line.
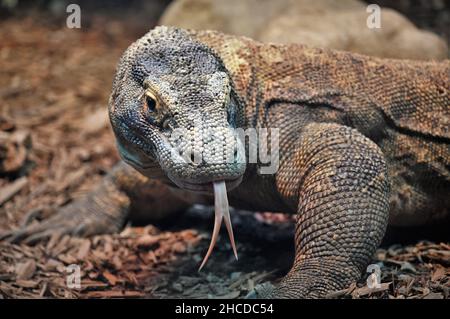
(261,291)
(75,219)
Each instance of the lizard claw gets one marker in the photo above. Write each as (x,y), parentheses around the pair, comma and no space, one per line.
(263,290)
(81,218)
(43,231)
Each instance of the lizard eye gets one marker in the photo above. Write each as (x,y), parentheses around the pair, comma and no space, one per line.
(150,102)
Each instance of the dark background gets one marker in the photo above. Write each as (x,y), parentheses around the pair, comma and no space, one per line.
(432,15)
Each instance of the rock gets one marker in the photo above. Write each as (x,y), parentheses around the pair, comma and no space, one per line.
(342,25)
(177,287)
(231,16)
(406,266)
(235,275)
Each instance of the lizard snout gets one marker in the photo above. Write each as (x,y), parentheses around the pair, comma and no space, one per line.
(201,157)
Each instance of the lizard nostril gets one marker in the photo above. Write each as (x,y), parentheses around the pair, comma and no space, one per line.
(191,157)
(229,118)
(236,154)
(167,124)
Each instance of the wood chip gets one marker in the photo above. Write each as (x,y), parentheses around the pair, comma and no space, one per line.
(7,192)
(26,269)
(179,247)
(438,273)
(364,291)
(434,295)
(95,122)
(114,294)
(110,277)
(27,283)
(84,249)
(92,284)
(231,295)
(148,241)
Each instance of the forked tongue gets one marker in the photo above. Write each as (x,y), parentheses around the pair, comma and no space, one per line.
(222,211)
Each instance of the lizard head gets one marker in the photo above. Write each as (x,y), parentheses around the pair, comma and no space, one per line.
(173,106)
(173,110)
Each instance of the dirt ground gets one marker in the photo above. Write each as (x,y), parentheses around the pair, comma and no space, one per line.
(56,144)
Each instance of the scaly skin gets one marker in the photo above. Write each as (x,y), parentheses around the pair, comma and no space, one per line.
(363,142)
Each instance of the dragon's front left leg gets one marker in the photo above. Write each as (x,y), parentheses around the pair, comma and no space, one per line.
(338,178)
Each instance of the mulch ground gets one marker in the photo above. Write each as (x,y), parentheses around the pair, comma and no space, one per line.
(56,144)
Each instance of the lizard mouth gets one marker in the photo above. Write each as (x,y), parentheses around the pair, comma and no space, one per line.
(205,187)
(134,163)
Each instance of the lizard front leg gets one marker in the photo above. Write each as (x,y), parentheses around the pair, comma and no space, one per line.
(338,180)
(121,194)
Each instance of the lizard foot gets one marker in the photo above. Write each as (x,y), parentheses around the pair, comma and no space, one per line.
(311,279)
(261,291)
(88,216)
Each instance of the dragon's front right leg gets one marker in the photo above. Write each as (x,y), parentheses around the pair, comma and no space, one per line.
(338,177)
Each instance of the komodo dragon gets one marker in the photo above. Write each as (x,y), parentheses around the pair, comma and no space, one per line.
(362,142)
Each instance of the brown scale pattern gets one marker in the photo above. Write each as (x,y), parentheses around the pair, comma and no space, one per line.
(414,95)
(374,94)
